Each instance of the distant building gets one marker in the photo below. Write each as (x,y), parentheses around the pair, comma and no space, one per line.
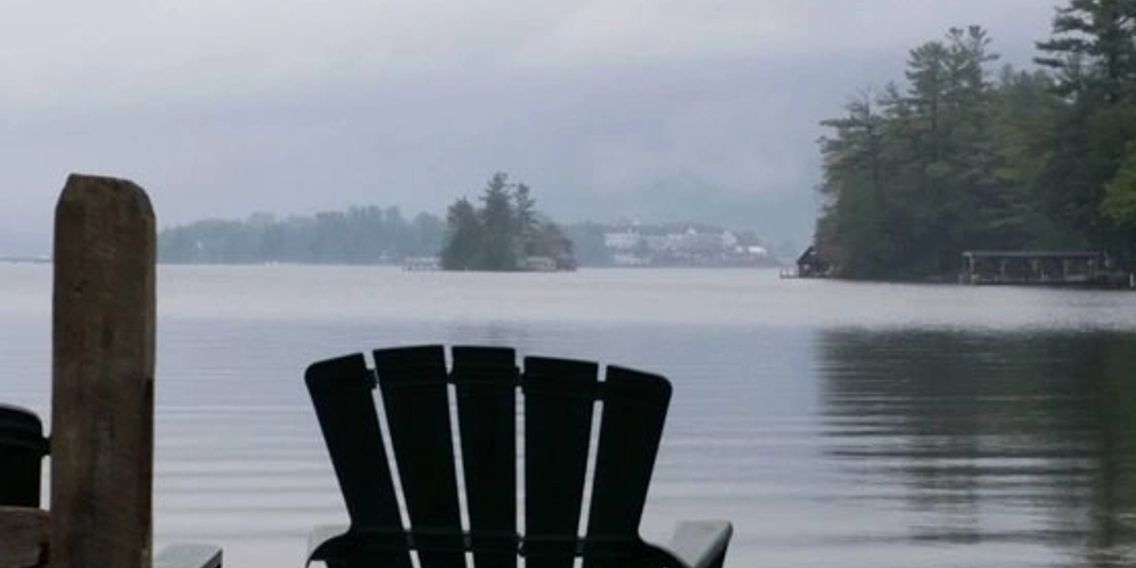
(622,240)
(683,245)
(755,250)
(729,240)
(625,259)
(811,265)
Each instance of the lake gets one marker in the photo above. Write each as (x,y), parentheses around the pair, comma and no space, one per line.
(836,424)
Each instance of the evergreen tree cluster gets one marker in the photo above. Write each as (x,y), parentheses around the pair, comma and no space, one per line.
(964,157)
(502,233)
(360,235)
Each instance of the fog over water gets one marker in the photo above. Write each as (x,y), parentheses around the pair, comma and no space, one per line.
(834,423)
(850,424)
(657,109)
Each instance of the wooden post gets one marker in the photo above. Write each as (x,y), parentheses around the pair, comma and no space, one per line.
(103,376)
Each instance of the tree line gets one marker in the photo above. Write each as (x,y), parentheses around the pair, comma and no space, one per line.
(359,235)
(963,155)
(503,232)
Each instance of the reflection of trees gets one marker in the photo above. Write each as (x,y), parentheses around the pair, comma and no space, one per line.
(1022,438)
(1111,512)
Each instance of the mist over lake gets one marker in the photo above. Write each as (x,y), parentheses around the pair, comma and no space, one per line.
(884,251)
(834,423)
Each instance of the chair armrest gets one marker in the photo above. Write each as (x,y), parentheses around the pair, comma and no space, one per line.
(321,534)
(189,556)
(701,544)
(23,537)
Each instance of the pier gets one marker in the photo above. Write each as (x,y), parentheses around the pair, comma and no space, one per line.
(1041,268)
(423,263)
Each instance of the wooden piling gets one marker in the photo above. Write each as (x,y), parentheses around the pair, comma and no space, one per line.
(103,375)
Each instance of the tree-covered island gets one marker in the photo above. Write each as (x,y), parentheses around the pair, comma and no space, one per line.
(964,156)
(506,233)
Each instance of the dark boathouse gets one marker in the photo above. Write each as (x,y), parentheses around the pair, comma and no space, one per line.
(1040,268)
(811,265)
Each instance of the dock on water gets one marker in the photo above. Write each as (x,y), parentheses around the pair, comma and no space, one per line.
(1042,268)
(423,263)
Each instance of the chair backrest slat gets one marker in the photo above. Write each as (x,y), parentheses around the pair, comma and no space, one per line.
(559,397)
(413,383)
(634,410)
(341,393)
(486,380)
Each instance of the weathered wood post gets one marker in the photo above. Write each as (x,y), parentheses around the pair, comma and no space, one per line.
(103,376)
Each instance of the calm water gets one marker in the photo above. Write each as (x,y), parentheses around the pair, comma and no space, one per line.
(836,424)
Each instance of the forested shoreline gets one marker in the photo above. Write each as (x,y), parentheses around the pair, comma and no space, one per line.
(966,155)
(502,230)
(359,235)
(386,238)
(500,235)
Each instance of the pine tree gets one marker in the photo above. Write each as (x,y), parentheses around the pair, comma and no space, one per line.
(526,219)
(1092,48)
(463,237)
(1093,54)
(498,219)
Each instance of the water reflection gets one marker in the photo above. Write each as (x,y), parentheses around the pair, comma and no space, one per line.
(989,439)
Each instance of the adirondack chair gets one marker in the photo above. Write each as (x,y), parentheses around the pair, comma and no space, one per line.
(559,397)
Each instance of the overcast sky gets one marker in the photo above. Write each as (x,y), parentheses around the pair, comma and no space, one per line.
(224,108)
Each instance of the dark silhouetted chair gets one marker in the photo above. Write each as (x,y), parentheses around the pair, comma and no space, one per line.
(22,449)
(24,526)
(559,397)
